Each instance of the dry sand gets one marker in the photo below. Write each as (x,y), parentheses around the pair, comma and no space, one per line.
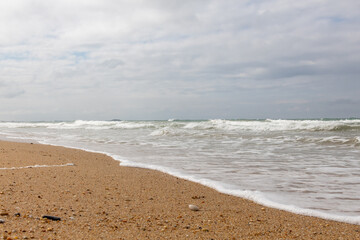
(98,199)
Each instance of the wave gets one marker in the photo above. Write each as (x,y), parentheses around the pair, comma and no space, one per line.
(267,125)
(79,124)
(276,125)
(166,131)
(332,140)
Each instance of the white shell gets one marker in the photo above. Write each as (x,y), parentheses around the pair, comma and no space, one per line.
(194,207)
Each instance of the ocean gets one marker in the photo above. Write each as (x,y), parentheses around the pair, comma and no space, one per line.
(309,167)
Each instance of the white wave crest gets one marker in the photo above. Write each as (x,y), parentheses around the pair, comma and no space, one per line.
(162,132)
(216,124)
(79,124)
(312,125)
(274,125)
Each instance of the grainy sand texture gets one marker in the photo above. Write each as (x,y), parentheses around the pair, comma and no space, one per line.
(97,199)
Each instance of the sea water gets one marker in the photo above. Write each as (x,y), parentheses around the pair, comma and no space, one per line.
(310,167)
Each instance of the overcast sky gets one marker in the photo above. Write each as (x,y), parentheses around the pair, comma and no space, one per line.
(161,59)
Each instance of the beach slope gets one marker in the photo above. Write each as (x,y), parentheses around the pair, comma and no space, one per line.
(97,199)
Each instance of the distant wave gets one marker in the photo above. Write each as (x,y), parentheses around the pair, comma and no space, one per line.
(79,124)
(216,124)
(276,125)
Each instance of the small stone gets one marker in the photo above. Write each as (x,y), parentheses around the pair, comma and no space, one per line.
(52,218)
(194,207)
(2,220)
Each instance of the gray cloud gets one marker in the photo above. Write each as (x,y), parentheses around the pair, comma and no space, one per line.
(11,93)
(178,59)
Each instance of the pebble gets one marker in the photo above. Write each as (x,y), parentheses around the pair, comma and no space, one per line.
(51,218)
(2,220)
(194,207)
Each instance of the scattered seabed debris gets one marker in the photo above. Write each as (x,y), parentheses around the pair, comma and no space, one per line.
(39,166)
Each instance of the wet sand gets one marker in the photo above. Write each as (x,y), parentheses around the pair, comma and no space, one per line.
(97,199)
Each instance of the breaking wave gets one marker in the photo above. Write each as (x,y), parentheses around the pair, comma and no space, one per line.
(80,124)
(215,124)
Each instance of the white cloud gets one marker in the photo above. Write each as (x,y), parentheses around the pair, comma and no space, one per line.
(152,59)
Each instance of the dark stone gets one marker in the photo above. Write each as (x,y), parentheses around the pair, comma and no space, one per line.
(54,218)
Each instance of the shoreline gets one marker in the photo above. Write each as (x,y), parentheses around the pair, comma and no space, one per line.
(213,185)
(97,198)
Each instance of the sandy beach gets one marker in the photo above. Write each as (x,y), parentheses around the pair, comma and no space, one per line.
(97,199)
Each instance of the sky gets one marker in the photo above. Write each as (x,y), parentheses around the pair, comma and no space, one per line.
(162,59)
